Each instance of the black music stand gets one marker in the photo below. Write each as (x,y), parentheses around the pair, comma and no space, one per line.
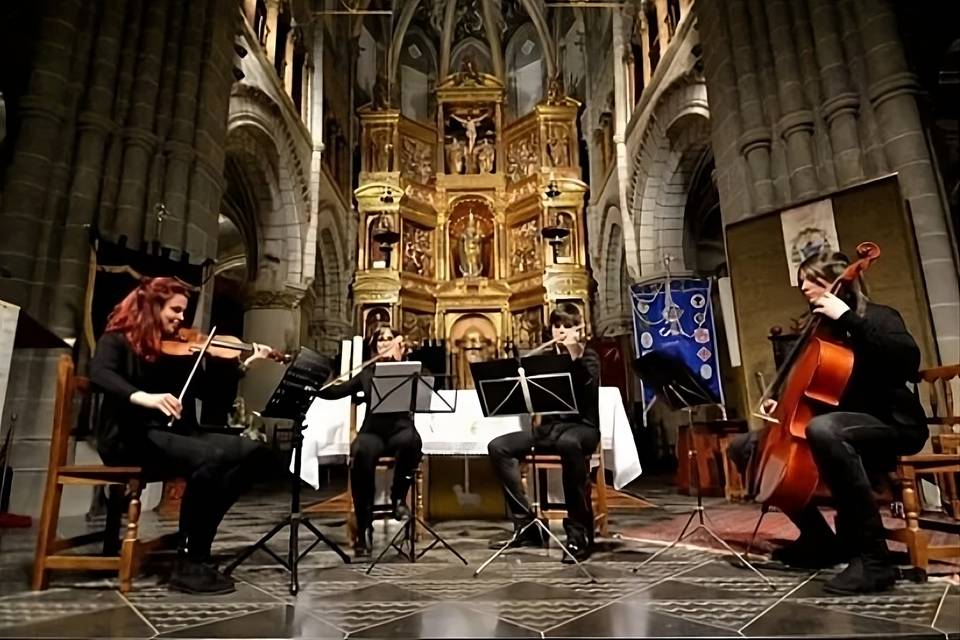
(290,400)
(676,386)
(389,392)
(540,385)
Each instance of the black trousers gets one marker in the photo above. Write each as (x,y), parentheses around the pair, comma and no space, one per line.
(400,440)
(218,469)
(574,443)
(847,448)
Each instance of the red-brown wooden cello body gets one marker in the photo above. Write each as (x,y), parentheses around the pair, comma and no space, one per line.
(812,379)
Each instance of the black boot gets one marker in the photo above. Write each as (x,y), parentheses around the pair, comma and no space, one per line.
(363,545)
(196,576)
(531,537)
(401,511)
(869,572)
(578,544)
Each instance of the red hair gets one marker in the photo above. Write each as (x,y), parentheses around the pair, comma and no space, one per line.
(138,315)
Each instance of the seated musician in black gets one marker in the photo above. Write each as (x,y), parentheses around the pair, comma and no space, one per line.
(138,382)
(878,419)
(573,437)
(381,434)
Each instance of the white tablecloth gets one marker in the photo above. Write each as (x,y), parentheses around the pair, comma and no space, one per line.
(464,432)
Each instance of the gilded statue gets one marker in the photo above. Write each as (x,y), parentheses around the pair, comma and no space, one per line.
(486,155)
(470,126)
(558,149)
(471,249)
(456,157)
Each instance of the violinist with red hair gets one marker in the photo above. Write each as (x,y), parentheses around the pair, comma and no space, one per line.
(143,423)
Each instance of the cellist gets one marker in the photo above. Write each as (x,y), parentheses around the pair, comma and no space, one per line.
(878,418)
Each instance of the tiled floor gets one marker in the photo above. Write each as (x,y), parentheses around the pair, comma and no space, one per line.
(685,592)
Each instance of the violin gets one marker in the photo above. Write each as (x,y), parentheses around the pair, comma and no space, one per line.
(814,376)
(190,342)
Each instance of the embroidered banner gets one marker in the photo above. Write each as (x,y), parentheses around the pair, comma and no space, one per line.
(675,316)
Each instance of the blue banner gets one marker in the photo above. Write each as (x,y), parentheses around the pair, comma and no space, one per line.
(676,316)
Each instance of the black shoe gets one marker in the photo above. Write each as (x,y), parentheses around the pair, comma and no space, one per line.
(808,553)
(864,574)
(363,546)
(531,537)
(579,549)
(401,511)
(196,577)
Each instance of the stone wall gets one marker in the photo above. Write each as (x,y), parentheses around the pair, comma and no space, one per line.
(811,96)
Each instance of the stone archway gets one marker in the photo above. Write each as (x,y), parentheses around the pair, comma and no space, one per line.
(672,145)
(613,280)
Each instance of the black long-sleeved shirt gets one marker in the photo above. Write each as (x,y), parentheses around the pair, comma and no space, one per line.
(382,423)
(586,381)
(118,372)
(886,357)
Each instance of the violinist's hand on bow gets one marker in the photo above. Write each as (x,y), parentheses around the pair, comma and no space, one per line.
(260,352)
(830,306)
(165,403)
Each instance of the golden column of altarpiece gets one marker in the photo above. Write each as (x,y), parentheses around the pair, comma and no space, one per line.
(467,198)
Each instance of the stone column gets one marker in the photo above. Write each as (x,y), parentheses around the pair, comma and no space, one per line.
(139,138)
(272,317)
(892,93)
(623,111)
(179,147)
(95,125)
(164,114)
(207,182)
(841,103)
(755,139)
(113,165)
(796,123)
(42,111)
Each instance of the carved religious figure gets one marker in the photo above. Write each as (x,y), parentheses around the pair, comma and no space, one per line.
(486,155)
(382,150)
(470,126)
(558,147)
(471,249)
(455,156)
(381,93)
(525,244)
(418,253)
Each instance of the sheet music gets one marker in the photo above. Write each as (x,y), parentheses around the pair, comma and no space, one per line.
(9,315)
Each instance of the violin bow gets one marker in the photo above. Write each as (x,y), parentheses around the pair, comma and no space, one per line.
(196,364)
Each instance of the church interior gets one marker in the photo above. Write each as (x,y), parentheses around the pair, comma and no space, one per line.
(479,318)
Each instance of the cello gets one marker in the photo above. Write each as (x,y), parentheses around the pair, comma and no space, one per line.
(814,375)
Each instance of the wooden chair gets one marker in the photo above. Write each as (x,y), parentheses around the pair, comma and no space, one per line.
(124,557)
(942,465)
(598,487)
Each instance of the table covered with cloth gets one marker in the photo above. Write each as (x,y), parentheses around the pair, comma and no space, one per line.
(465,431)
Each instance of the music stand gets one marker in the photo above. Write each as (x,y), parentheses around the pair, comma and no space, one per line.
(679,389)
(534,385)
(290,400)
(400,387)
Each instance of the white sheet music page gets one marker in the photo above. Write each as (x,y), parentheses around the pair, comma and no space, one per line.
(9,315)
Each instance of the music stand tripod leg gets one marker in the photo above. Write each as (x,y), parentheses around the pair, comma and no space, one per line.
(293,520)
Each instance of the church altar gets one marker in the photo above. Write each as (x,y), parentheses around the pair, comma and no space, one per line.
(326,439)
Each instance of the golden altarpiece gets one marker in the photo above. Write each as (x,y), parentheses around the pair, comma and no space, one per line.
(467,200)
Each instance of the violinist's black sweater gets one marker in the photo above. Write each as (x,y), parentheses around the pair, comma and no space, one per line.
(118,372)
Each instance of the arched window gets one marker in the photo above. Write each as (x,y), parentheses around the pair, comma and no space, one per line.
(525,71)
(418,77)
(474,49)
